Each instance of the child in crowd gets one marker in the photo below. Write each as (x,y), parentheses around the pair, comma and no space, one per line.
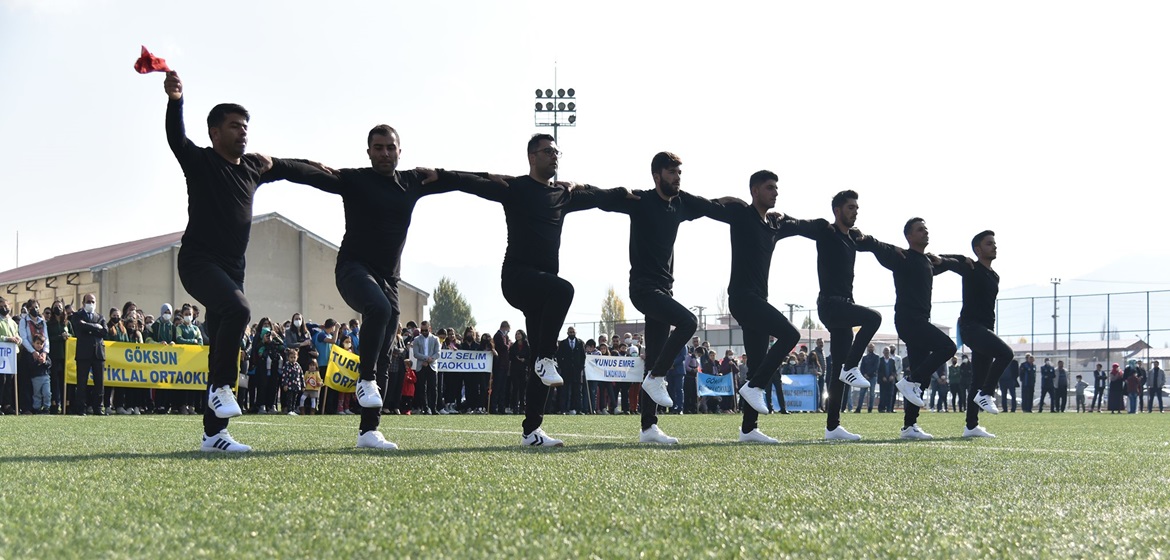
(41,364)
(313,385)
(1081,385)
(408,382)
(292,382)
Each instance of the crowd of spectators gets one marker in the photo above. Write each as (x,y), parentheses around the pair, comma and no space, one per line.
(284,362)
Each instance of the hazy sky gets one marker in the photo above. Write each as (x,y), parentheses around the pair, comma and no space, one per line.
(1044,121)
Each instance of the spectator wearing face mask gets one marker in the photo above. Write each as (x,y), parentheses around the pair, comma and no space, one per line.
(90,328)
(59,330)
(32,323)
(162,331)
(130,400)
(187,333)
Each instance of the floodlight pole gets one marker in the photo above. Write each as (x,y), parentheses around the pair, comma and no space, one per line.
(558,103)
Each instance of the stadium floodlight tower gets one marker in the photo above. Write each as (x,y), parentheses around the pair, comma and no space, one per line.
(556,108)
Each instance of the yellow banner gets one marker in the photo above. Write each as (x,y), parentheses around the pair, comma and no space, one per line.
(147,366)
(342,374)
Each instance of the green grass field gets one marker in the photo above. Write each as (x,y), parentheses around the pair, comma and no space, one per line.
(1074,485)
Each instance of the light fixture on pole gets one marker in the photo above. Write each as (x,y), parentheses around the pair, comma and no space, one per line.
(556,108)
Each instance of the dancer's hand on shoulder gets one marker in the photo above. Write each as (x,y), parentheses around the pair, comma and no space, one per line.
(429,174)
(265,163)
(501,179)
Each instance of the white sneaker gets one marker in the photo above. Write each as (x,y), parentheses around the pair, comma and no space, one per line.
(223,401)
(986,402)
(655,387)
(977,431)
(914,432)
(122,410)
(293,413)
(841,434)
(135,411)
(755,397)
(540,439)
(222,442)
(546,370)
(262,410)
(374,439)
(854,378)
(655,435)
(368,395)
(911,391)
(756,436)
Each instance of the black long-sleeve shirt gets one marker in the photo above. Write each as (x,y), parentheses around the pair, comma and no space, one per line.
(653,229)
(836,257)
(980,288)
(535,213)
(378,208)
(219,194)
(753,240)
(913,279)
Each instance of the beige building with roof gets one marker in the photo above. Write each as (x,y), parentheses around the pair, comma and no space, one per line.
(289,270)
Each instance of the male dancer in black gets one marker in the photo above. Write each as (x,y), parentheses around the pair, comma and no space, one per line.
(535,209)
(379,201)
(221,181)
(836,255)
(927,347)
(990,355)
(654,221)
(754,233)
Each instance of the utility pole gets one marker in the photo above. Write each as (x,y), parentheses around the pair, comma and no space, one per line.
(1055,313)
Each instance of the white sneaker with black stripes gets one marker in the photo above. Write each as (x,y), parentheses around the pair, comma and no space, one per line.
(914,432)
(367,394)
(853,377)
(546,370)
(986,402)
(223,401)
(911,392)
(223,443)
(540,439)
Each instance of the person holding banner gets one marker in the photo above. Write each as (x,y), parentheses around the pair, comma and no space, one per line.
(837,249)
(221,181)
(927,347)
(535,209)
(989,353)
(654,219)
(754,234)
(9,333)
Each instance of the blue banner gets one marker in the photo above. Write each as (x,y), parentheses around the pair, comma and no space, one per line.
(800,392)
(716,385)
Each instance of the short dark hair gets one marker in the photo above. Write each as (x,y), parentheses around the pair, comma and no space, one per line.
(330,322)
(761,176)
(664,160)
(220,112)
(840,198)
(537,139)
(381,130)
(979,238)
(910,225)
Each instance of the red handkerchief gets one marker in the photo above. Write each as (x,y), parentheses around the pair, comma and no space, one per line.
(148,63)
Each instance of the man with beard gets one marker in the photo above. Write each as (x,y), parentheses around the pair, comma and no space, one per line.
(535,209)
(379,202)
(221,182)
(990,355)
(654,220)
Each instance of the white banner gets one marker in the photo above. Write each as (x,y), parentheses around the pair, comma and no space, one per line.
(7,358)
(626,369)
(464,361)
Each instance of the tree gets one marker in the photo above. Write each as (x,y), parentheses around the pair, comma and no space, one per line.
(809,323)
(613,311)
(721,303)
(450,309)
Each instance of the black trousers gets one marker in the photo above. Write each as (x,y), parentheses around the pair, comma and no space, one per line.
(84,396)
(760,320)
(989,358)
(927,348)
(840,315)
(690,393)
(221,291)
(426,390)
(544,299)
(498,397)
(1049,391)
(1099,398)
(570,394)
(1061,394)
(1155,392)
(376,298)
(1007,393)
(1027,394)
(662,346)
